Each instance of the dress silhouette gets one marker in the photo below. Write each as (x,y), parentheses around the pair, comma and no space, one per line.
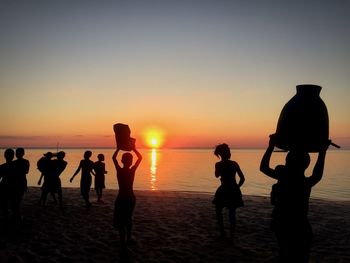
(290,197)
(125,202)
(228,194)
(86,166)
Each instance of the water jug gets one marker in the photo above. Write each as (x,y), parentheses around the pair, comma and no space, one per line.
(122,137)
(303,123)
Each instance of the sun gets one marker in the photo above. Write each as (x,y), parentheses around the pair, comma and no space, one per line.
(154,142)
(154,137)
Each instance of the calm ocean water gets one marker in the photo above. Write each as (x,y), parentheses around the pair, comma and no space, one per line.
(193,170)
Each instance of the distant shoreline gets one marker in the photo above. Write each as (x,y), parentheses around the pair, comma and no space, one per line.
(175,148)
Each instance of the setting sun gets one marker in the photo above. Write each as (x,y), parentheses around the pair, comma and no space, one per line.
(154,137)
(154,142)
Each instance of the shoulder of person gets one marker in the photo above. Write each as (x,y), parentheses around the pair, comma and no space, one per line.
(234,163)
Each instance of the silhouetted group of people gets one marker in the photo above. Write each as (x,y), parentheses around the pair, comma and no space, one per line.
(51,169)
(13,184)
(125,201)
(89,168)
(289,196)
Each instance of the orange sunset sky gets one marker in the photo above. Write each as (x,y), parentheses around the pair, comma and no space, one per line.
(196,73)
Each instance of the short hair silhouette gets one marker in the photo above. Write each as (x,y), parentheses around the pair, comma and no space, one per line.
(61,155)
(19,152)
(100,157)
(87,154)
(9,154)
(298,160)
(127,159)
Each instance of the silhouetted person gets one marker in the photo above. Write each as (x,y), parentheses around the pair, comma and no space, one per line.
(58,165)
(86,166)
(47,169)
(125,202)
(6,185)
(228,194)
(19,182)
(21,168)
(100,171)
(290,197)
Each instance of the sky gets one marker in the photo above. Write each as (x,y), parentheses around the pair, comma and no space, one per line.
(200,72)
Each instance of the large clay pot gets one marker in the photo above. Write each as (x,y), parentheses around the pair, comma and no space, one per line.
(122,137)
(303,123)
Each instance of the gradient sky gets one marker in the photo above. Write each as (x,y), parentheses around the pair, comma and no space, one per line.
(203,72)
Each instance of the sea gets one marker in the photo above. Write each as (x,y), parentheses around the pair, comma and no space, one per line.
(192,170)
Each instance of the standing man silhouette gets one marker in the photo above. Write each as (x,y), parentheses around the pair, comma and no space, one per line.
(21,169)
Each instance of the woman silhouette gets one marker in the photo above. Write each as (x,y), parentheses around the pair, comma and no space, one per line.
(228,194)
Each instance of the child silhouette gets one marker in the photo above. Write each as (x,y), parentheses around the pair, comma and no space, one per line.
(228,194)
(290,197)
(125,202)
(100,171)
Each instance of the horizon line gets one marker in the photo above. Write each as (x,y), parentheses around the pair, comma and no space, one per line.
(149,148)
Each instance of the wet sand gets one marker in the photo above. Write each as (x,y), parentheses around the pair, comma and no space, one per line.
(168,227)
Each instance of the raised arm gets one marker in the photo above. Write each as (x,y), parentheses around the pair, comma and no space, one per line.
(114,158)
(139,158)
(317,172)
(265,161)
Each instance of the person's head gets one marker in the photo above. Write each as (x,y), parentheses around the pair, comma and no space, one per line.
(87,155)
(100,157)
(61,155)
(19,153)
(127,159)
(9,154)
(297,160)
(223,151)
(48,155)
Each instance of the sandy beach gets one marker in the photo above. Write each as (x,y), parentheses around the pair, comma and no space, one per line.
(168,227)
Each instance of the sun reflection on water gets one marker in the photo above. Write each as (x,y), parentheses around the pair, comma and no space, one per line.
(153,169)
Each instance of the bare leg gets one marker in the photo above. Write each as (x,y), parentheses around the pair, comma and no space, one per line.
(122,234)
(128,229)
(220,219)
(232,218)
